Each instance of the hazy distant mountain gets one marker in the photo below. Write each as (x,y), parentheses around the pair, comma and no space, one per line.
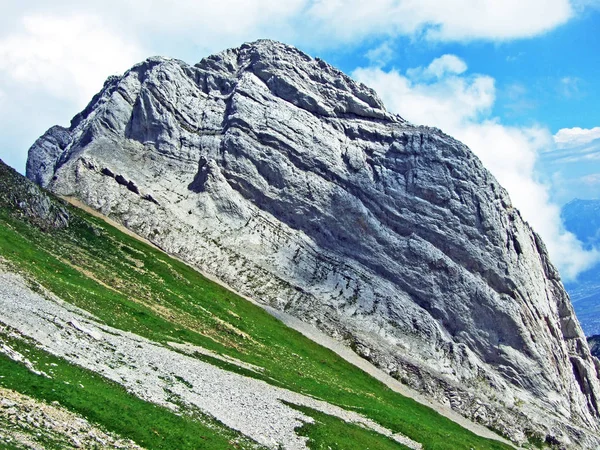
(582,217)
(594,343)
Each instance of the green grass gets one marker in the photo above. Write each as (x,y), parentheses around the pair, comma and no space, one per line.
(10,446)
(132,286)
(109,405)
(331,433)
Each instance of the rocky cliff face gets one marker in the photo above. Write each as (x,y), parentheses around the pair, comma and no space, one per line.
(289,181)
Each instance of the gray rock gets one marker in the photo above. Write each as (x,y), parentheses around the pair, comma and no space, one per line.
(51,145)
(26,199)
(290,182)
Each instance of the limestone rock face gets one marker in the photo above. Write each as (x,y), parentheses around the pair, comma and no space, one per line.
(49,148)
(290,182)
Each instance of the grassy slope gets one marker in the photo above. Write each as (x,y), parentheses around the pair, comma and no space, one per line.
(109,405)
(134,287)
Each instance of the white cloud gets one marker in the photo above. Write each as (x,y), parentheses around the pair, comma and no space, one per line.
(380,55)
(574,145)
(225,16)
(449,20)
(209,26)
(68,47)
(446,103)
(573,137)
(513,58)
(444,65)
(68,57)
(186,29)
(460,104)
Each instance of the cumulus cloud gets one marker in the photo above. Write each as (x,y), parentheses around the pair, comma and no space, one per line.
(573,146)
(340,21)
(513,58)
(445,64)
(449,20)
(572,137)
(447,102)
(460,104)
(186,29)
(50,67)
(203,26)
(68,57)
(224,17)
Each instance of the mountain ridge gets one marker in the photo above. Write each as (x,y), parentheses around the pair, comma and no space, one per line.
(290,182)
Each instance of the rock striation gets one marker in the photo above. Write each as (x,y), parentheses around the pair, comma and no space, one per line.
(290,182)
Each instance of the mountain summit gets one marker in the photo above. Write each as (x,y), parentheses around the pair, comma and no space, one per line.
(284,178)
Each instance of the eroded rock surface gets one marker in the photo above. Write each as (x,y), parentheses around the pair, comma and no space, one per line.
(290,182)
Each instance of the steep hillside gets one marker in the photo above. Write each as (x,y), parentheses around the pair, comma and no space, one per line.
(289,181)
(582,218)
(105,340)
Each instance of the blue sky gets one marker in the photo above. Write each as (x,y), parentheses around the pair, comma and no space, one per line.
(530,73)
(518,80)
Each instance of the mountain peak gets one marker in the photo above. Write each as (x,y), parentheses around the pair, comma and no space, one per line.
(272,47)
(289,181)
(309,83)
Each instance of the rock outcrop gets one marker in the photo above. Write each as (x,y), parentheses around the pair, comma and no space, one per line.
(290,182)
(22,197)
